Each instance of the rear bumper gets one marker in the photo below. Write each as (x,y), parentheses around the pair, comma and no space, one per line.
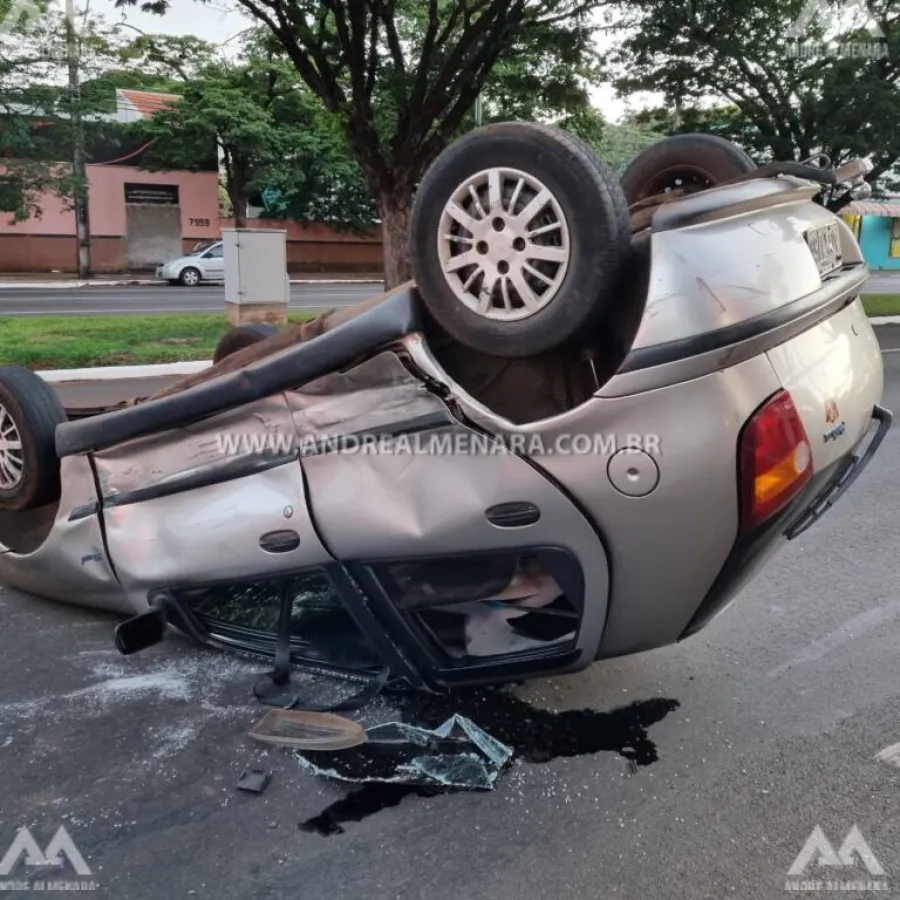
(848,470)
(753,549)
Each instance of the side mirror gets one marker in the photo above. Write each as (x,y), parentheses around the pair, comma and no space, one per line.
(141,632)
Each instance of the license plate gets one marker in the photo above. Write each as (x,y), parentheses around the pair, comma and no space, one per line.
(825,245)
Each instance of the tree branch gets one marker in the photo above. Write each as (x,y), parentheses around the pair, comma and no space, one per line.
(386,12)
(311,64)
(437,98)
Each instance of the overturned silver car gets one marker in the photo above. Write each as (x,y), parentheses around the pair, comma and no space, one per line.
(577,435)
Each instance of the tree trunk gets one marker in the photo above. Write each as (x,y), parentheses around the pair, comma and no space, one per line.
(395,207)
(238,203)
(234,176)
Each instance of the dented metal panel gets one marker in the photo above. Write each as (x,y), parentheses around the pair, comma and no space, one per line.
(378,393)
(406,501)
(259,428)
(213,533)
(71,564)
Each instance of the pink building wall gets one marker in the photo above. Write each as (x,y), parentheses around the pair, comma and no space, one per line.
(198,195)
(198,199)
(47,243)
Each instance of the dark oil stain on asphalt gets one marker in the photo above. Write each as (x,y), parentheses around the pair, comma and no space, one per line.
(535,735)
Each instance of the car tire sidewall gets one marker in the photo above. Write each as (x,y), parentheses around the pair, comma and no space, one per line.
(186,273)
(36,411)
(598,240)
(242,336)
(688,155)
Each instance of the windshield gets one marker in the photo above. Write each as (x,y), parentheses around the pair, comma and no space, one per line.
(202,247)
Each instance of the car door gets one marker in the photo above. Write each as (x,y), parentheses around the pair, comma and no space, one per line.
(474,562)
(213,263)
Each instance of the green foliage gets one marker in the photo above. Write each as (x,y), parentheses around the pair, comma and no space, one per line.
(780,96)
(36,135)
(277,144)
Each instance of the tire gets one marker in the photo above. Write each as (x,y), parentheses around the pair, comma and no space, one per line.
(240,337)
(583,244)
(694,162)
(29,414)
(189,277)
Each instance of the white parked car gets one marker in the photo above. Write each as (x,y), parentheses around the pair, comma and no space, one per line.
(206,262)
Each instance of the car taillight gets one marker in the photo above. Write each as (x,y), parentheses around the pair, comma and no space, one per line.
(775,460)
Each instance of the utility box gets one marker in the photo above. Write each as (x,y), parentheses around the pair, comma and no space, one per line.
(257,287)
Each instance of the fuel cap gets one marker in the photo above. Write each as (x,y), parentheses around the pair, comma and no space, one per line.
(633,472)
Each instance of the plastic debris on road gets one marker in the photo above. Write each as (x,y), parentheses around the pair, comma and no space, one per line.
(458,754)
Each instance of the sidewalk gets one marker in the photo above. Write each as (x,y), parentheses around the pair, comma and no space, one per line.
(65,280)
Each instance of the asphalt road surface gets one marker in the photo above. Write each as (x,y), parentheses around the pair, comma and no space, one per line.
(750,735)
(147,299)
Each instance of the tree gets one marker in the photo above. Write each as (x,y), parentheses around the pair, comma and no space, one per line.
(215,112)
(275,142)
(315,177)
(831,90)
(402,76)
(36,111)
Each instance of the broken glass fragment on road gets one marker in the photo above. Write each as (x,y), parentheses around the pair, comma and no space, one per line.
(457,754)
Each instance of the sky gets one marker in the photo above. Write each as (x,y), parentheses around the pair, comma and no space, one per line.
(221,21)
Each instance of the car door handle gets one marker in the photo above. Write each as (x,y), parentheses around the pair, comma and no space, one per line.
(279,541)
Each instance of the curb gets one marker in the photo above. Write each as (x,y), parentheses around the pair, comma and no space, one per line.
(884,320)
(116,373)
(68,285)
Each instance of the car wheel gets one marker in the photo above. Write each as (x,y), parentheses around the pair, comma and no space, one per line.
(519,235)
(690,162)
(29,414)
(240,337)
(189,277)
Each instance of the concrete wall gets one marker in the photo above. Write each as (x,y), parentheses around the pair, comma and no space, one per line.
(198,199)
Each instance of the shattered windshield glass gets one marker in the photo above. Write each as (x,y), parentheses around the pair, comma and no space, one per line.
(321,626)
